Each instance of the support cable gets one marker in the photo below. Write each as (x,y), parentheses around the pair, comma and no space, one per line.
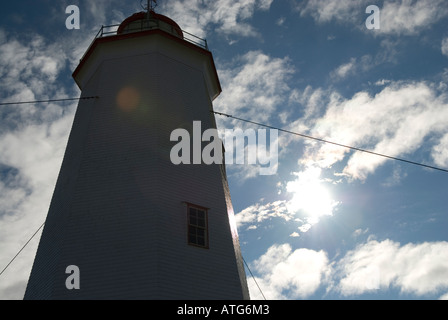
(254,278)
(21,249)
(331,142)
(47,101)
(244,120)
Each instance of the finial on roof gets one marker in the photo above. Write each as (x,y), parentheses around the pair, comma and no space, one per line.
(150,5)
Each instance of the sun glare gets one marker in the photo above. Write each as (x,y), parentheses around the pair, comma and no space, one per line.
(310,196)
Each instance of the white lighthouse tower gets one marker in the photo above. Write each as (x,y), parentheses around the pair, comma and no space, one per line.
(132,224)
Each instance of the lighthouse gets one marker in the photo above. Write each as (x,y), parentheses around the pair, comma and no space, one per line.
(124,221)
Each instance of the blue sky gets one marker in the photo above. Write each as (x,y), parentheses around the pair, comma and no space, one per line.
(332,223)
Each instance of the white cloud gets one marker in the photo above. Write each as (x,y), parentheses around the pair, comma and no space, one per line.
(327,10)
(230,17)
(35,154)
(394,122)
(396,177)
(103,12)
(344,70)
(397,17)
(412,268)
(360,65)
(382,82)
(258,213)
(444,297)
(410,17)
(29,69)
(313,101)
(281,21)
(359,232)
(418,269)
(440,152)
(294,235)
(253,86)
(288,274)
(97,9)
(32,142)
(305,227)
(445,47)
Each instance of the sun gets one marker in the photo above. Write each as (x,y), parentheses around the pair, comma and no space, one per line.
(310,196)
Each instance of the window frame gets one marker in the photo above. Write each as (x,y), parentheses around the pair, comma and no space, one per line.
(198,226)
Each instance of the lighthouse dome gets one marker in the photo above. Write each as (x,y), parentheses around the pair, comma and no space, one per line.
(143,21)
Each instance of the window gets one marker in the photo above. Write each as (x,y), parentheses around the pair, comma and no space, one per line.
(197,226)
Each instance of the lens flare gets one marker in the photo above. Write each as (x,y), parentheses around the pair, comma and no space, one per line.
(128,99)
